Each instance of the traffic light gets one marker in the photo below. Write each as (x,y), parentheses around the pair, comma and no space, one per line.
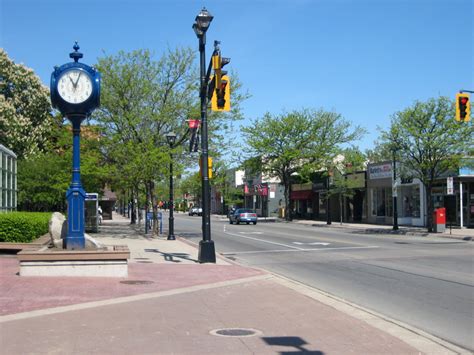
(219,85)
(221,97)
(463,107)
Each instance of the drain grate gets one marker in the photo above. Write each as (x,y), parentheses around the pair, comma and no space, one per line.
(145,261)
(136,282)
(236,332)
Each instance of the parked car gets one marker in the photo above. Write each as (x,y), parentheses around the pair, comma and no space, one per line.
(195,210)
(246,215)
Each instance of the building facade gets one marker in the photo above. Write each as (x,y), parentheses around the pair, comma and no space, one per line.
(8,180)
(410,193)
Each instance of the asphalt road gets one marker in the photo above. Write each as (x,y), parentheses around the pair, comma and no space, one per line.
(426,282)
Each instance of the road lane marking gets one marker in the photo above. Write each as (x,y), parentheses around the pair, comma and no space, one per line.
(262,240)
(292,250)
(311,243)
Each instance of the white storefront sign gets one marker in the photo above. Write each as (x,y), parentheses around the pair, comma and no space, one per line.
(450,185)
(380,171)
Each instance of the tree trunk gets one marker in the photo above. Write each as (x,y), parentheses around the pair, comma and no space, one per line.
(286,183)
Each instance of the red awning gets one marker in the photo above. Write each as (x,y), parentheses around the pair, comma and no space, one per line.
(301,195)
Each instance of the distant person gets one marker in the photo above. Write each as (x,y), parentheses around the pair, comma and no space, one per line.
(99,214)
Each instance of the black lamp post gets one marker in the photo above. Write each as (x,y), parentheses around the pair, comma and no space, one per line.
(394,192)
(207,253)
(171,138)
(328,200)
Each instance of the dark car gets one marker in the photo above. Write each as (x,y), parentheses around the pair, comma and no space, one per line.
(246,215)
(195,210)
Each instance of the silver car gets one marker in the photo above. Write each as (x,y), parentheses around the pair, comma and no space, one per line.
(246,215)
(195,210)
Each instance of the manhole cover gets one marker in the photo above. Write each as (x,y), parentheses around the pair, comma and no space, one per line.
(136,282)
(236,332)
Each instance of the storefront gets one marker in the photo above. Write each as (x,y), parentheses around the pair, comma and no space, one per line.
(459,212)
(379,193)
(356,201)
(302,197)
(411,202)
(265,198)
(410,193)
(319,198)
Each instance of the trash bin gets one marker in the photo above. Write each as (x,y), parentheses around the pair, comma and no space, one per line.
(439,220)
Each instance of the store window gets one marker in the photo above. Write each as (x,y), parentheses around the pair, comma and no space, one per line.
(410,205)
(382,205)
(322,203)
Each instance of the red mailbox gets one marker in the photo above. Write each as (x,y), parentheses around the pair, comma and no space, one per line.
(439,220)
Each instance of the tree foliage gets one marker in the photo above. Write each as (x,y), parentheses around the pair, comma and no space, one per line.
(25,108)
(429,142)
(298,142)
(44,178)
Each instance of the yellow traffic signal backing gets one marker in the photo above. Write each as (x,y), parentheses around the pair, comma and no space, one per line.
(220,100)
(209,167)
(463,107)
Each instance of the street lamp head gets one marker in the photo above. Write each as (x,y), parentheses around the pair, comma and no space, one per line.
(171,138)
(203,20)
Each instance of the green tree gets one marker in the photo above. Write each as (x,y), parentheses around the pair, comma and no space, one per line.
(429,142)
(25,108)
(298,142)
(44,178)
(351,160)
(142,100)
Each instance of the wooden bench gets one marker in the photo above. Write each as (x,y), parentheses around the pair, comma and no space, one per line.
(34,245)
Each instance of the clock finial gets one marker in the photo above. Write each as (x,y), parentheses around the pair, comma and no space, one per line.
(76,55)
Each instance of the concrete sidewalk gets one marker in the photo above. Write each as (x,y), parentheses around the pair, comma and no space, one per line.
(455,232)
(170,304)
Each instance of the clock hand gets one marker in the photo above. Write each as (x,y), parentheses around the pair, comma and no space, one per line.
(77,80)
(72,81)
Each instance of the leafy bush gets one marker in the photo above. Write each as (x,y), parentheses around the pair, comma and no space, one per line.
(23,227)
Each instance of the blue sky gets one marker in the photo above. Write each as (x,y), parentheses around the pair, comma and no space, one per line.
(365,59)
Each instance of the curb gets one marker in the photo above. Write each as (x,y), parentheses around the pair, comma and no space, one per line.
(419,339)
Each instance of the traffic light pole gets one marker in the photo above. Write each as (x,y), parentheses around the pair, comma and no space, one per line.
(394,193)
(207,253)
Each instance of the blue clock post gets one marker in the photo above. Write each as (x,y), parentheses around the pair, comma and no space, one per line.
(75,92)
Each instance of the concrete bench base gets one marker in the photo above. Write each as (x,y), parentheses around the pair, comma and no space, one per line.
(101,268)
(109,262)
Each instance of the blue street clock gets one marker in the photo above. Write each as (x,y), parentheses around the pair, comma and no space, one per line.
(75,87)
(75,92)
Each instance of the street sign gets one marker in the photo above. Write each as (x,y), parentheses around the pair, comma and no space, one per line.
(450,185)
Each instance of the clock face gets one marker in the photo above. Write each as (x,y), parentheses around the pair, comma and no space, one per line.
(75,86)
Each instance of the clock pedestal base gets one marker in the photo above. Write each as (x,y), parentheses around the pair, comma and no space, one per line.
(75,219)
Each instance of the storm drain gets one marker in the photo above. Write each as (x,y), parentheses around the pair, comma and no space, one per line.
(136,282)
(236,332)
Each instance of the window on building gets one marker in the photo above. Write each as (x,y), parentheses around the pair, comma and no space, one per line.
(322,203)
(382,205)
(410,203)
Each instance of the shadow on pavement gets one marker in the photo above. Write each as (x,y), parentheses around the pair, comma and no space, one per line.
(171,256)
(294,342)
